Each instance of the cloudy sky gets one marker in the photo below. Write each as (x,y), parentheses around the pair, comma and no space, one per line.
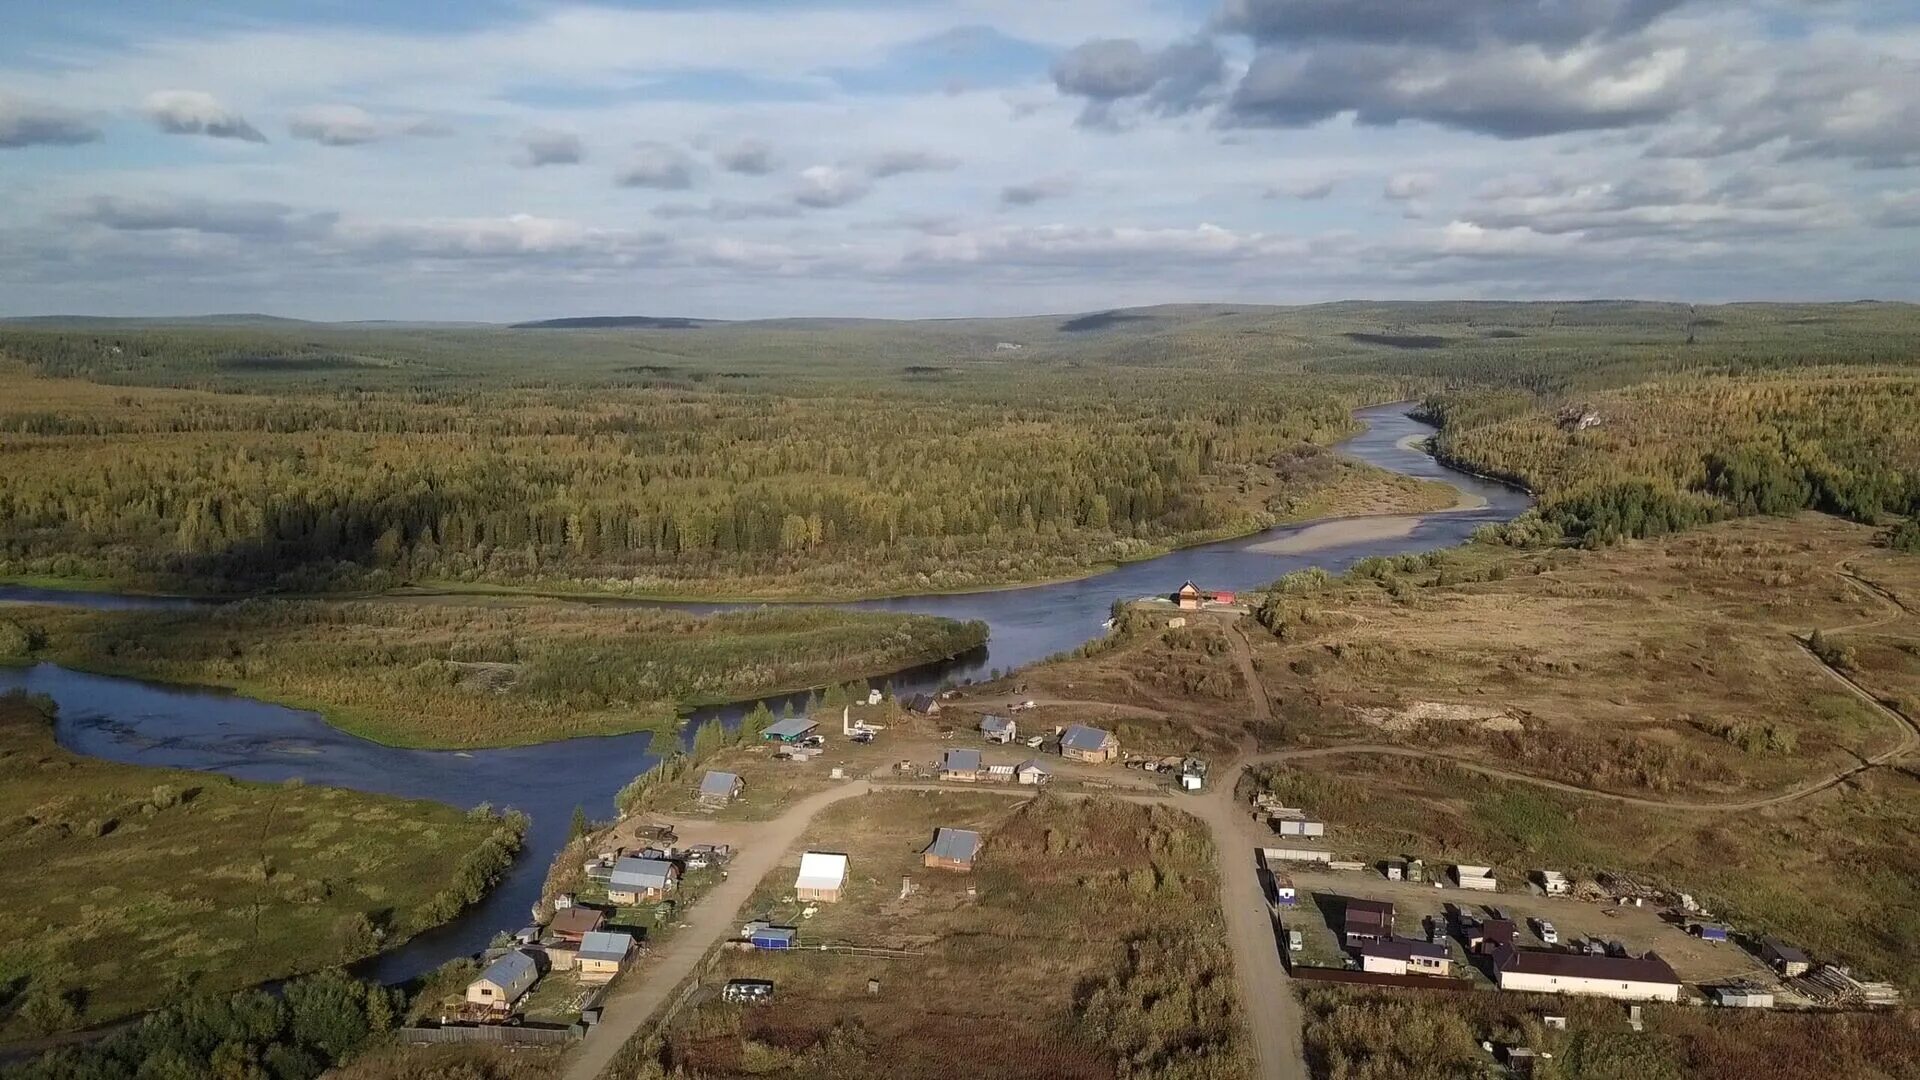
(500,159)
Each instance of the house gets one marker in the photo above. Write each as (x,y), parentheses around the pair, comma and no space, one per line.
(602,955)
(1367,921)
(1405,958)
(953,849)
(923,705)
(573,923)
(1475,877)
(791,730)
(998,729)
(1189,597)
(1741,996)
(718,788)
(772,937)
(1082,743)
(503,981)
(1784,958)
(635,880)
(1644,978)
(822,874)
(1554,883)
(1031,772)
(962,766)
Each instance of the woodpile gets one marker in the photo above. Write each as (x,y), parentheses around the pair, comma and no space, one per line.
(1835,987)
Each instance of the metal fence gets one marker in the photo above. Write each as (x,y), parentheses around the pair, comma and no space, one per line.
(498,1034)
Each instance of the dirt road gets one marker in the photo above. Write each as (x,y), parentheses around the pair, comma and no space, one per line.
(712,918)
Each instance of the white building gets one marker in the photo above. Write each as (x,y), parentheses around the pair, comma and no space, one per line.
(1644,978)
(1554,883)
(1405,958)
(822,874)
(1475,877)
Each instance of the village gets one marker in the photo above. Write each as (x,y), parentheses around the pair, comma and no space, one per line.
(656,921)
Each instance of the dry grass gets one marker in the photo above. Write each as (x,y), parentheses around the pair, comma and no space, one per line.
(1038,964)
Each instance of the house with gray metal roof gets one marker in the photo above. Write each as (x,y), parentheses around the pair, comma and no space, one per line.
(999,729)
(1091,744)
(953,849)
(504,980)
(635,880)
(790,730)
(718,788)
(602,954)
(960,765)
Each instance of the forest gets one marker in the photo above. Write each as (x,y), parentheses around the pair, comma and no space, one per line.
(844,458)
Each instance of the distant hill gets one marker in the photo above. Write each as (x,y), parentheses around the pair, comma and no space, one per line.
(106,322)
(614,322)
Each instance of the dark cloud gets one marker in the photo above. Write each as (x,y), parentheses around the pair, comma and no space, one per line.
(231,218)
(1034,191)
(547,146)
(1108,71)
(751,157)
(657,165)
(335,125)
(1554,23)
(34,123)
(192,112)
(1506,92)
(900,162)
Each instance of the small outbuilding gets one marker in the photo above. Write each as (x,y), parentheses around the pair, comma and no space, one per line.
(822,875)
(1553,882)
(1031,772)
(791,730)
(773,937)
(504,981)
(1189,597)
(602,955)
(961,766)
(718,788)
(1784,958)
(1741,996)
(923,705)
(998,729)
(1090,744)
(637,880)
(953,849)
(1475,877)
(1405,958)
(1709,932)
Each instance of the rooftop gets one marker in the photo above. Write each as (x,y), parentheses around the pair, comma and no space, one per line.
(821,870)
(960,845)
(718,783)
(790,728)
(606,945)
(576,920)
(642,873)
(961,761)
(1082,737)
(1647,969)
(995,723)
(1399,949)
(511,968)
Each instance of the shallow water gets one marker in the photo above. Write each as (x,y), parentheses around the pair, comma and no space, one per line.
(150,724)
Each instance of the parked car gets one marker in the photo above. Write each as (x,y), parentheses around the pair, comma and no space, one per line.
(1295,941)
(1546,931)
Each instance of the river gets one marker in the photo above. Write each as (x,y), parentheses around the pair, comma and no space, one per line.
(195,728)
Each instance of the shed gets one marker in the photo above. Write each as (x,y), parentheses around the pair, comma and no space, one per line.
(1366,921)
(1031,771)
(504,980)
(1709,932)
(999,729)
(1741,996)
(573,923)
(1475,877)
(790,730)
(1784,958)
(960,765)
(1082,743)
(720,787)
(953,849)
(923,705)
(1298,827)
(1554,883)
(822,875)
(773,937)
(602,954)
(635,880)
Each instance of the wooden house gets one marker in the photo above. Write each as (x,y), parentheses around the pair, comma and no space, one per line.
(1366,921)
(1031,772)
(961,766)
(822,875)
(602,955)
(719,788)
(573,923)
(1189,597)
(953,849)
(504,981)
(998,729)
(1090,744)
(638,880)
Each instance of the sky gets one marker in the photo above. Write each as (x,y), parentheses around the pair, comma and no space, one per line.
(499,160)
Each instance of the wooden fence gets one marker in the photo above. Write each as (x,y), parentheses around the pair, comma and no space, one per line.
(499,1034)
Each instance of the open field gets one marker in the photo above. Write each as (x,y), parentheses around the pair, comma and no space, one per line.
(1089,932)
(451,1063)
(478,672)
(1371,1034)
(129,885)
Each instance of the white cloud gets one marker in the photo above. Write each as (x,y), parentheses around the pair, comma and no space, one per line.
(656,165)
(335,125)
(824,186)
(195,112)
(1403,186)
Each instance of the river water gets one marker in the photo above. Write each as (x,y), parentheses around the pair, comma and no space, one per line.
(195,728)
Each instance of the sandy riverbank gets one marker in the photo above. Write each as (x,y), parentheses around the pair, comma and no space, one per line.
(1362,529)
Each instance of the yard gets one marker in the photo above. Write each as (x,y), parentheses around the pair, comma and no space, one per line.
(1088,935)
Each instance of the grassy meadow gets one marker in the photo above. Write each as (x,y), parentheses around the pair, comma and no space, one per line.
(130,886)
(1090,946)
(462,673)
